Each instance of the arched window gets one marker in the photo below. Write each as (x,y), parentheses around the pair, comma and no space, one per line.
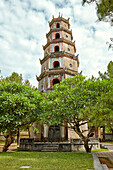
(56,48)
(57,25)
(55,81)
(56,64)
(57,36)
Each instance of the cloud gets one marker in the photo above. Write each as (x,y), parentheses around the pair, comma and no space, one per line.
(23,28)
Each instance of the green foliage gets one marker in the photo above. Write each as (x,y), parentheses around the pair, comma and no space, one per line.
(76,101)
(74,95)
(104,9)
(36,130)
(15,77)
(109,74)
(106,104)
(19,105)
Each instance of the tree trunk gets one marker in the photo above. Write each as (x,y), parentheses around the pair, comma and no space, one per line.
(87,148)
(103,133)
(8,141)
(28,132)
(18,137)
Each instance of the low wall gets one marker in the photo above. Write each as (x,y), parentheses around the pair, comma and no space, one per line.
(109,137)
(32,145)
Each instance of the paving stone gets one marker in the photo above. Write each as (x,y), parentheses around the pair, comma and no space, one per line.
(25,167)
(104,166)
(108,154)
(97,164)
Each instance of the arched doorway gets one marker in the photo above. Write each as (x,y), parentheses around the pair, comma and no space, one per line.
(57,25)
(56,64)
(57,36)
(55,81)
(56,48)
(54,134)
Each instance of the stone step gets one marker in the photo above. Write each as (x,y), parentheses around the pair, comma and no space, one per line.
(50,148)
(49,151)
(45,147)
(50,144)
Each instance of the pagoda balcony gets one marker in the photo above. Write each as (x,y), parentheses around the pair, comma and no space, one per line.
(59,54)
(55,71)
(57,30)
(61,68)
(58,40)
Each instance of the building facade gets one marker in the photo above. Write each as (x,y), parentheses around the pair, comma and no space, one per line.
(59,62)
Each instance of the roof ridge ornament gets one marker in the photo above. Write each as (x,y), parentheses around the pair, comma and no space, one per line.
(59,15)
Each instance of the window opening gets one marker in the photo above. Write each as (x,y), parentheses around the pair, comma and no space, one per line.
(57,36)
(56,48)
(41,86)
(56,64)
(57,25)
(70,65)
(55,81)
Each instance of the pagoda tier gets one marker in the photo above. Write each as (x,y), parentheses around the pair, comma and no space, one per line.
(59,61)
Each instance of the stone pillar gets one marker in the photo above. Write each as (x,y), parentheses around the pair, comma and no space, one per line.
(47,82)
(51,84)
(45,132)
(32,132)
(62,130)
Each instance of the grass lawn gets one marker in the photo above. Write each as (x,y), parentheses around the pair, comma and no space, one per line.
(46,161)
(111,142)
(100,150)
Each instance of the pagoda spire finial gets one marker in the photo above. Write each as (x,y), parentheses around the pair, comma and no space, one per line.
(59,15)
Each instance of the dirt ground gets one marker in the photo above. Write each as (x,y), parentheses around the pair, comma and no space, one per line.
(11,148)
(107,162)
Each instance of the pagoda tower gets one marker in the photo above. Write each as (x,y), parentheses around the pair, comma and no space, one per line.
(59,60)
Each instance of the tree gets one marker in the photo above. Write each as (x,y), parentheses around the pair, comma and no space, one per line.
(15,77)
(71,102)
(107,100)
(19,107)
(109,74)
(104,10)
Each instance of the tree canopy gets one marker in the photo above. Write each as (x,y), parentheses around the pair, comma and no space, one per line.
(107,74)
(72,102)
(104,9)
(19,107)
(107,99)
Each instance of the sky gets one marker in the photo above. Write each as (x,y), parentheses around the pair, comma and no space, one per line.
(23,28)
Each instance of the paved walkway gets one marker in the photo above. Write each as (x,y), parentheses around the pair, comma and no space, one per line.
(107,154)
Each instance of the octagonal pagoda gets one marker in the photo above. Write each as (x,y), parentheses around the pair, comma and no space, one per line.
(59,61)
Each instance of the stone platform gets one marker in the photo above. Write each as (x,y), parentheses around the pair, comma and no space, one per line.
(32,145)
